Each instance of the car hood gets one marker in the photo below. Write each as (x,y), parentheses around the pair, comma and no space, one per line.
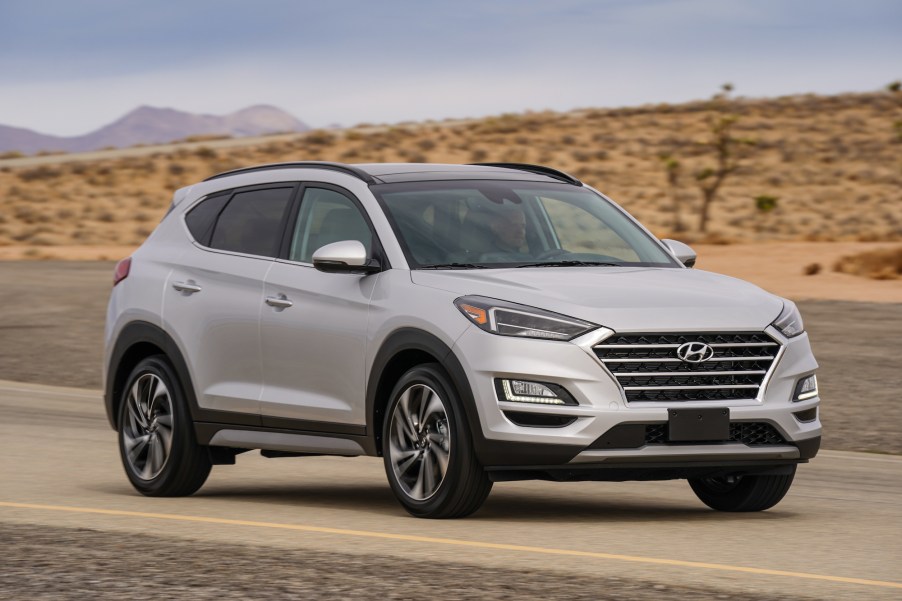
(622,298)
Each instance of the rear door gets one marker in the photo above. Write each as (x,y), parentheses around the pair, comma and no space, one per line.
(213,299)
(313,328)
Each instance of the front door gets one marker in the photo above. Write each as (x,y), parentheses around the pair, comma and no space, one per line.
(313,328)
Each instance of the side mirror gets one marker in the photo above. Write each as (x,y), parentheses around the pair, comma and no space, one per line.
(347,256)
(683,253)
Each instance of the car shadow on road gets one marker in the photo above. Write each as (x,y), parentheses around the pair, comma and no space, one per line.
(510,506)
(519,507)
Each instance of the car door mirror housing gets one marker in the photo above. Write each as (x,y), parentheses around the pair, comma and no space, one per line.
(683,252)
(346,256)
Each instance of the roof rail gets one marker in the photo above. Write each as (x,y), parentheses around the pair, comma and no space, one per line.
(340,167)
(540,169)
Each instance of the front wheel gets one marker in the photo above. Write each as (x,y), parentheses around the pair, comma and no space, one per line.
(156,436)
(742,493)
(427,448)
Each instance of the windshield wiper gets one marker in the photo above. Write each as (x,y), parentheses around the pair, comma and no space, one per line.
(572,264)
(453,266)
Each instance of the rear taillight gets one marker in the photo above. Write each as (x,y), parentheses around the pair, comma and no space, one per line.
(122,269)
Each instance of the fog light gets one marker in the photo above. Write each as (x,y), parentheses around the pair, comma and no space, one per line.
(523,391)
(806,388)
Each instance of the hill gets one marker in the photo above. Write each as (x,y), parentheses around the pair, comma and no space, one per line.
(150,125)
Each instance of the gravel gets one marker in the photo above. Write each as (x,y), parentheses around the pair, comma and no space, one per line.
(41,562)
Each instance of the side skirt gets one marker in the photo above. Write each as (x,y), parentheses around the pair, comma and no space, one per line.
(233,436)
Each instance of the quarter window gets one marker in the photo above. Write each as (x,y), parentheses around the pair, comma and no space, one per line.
(202,218)
(252,222)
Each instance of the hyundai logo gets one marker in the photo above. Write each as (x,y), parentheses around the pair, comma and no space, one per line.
(695,352)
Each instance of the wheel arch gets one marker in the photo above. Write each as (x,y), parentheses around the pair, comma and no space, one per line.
(402,350)
(137,341)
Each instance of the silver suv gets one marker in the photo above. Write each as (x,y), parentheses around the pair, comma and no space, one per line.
(469,323)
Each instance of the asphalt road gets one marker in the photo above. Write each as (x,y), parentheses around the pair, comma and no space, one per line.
(71,527)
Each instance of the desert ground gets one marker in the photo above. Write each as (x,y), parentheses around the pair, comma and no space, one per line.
(832,163)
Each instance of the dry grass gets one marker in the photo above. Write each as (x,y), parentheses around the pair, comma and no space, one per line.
(833,163)
(884,264)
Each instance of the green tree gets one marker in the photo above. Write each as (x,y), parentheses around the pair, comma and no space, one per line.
(726,148)
(895,89)
(674,170)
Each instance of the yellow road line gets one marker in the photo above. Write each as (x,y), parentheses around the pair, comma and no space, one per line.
(459,543)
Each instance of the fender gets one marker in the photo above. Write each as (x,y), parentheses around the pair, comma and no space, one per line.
(421,343)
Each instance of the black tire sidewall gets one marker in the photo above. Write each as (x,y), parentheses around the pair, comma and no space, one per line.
(433,376)
(183,440)
(751,492)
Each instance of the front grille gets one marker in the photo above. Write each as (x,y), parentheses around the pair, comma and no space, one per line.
(750,433)
(648,369)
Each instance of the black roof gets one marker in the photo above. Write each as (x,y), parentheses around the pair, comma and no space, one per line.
(378,173)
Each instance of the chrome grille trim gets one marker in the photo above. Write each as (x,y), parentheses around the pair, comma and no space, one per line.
(657,374)
(648,370)
(659,360)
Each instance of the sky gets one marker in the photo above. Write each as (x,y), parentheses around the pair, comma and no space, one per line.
(68,67)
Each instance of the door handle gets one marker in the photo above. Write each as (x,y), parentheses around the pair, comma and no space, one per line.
(279,302)
(189,287)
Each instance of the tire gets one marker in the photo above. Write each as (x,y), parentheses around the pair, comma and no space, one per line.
(745,493)
(428,450)
(157,446)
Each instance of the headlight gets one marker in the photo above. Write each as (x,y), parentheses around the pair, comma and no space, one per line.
(790,321)
(511,319)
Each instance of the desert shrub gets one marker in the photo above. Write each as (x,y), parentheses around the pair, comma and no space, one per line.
(320,137)
(11,154)
(40,173)
(176,168)
(28,214)
(479,155)
(426,144)
(205,152)
(883,264)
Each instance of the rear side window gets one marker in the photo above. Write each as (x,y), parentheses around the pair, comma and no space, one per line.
(201,219)
(251,222)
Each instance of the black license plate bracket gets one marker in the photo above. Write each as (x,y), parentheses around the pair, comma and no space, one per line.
(708,424)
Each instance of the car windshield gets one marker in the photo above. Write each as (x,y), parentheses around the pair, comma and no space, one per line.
(487,223)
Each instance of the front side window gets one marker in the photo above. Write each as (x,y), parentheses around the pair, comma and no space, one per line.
(327,216)
(513,224)
(251,222)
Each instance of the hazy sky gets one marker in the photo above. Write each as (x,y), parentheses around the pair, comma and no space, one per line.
(70,66)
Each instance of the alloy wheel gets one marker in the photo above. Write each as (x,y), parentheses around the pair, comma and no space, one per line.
(147,431)
(419,442)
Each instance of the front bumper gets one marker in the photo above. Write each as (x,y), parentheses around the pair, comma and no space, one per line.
(602,408)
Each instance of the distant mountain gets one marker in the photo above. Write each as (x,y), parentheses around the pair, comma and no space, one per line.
(150,125)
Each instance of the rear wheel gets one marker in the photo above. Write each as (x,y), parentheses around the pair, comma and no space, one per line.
(428,451)
(742,493)
(156,439)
